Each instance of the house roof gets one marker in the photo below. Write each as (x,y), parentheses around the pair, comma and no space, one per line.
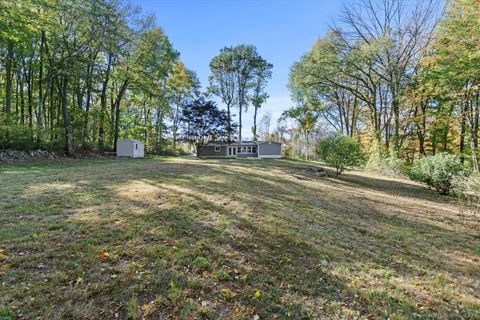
(238,143)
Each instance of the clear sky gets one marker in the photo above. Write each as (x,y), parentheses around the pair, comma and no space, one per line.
(281,30)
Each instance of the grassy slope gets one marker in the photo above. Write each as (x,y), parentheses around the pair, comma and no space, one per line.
(222,239)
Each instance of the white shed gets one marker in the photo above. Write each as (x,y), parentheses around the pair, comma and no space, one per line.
(130,148)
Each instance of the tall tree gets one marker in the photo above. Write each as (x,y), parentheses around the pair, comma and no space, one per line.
(259,96)
(234,74)
(223,84)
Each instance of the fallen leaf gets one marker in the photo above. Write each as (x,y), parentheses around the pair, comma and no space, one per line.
(103,255)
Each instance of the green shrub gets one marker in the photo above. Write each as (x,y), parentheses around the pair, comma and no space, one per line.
(437,171)
(340,152)
(16,137)
(467,189)
(390,165)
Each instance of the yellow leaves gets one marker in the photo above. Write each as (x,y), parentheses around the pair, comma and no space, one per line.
(79,280)
(3,256)
(228,294)
(257,294)
(224,291)
(103,256)
(5,267)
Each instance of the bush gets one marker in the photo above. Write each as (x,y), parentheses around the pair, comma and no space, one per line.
(437,171)
(16,137)
(390,165)
(467,189)
(340,152)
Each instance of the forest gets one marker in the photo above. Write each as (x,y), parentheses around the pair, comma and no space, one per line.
(402,80)
(75,75)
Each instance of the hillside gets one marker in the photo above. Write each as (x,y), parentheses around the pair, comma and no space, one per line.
(229,239)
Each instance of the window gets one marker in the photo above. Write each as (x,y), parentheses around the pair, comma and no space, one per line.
(217,149)
(249,149)
(136,146)
(254,149)
(239,149)
(244,149)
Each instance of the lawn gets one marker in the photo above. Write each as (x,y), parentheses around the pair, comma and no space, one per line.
(179,238)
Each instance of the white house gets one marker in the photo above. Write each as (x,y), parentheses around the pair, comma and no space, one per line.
(130,148)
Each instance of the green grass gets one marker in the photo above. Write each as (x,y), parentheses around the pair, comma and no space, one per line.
(229,239)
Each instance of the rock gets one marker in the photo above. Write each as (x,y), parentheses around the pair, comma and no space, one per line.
(16,155)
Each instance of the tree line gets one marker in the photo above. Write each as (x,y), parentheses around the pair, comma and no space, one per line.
(78,74)
(402,78)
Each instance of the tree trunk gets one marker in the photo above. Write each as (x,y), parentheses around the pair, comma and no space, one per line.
(117,112)
(103,107)
(22,105)
(40,86)
(462,132)
(175,126)
(66,117)
(240,121)
(255,123)
(88,102)
(229,128)
(8,80)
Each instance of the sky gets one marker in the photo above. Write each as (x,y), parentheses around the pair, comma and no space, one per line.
(282,30)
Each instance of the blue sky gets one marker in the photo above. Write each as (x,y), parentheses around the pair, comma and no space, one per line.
(281,30)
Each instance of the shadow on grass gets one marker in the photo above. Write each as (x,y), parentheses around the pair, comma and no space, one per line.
(299,244)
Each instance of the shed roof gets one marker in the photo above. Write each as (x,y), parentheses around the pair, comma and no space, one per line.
(132,140)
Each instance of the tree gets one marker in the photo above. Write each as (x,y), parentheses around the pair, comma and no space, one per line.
(78,72)
(340,151)
(262,74)
(235,72)
(182,85)
(361,70)
(265,123)
(452,69)
(250,70)
(203,122)
(223,84)
(306,116)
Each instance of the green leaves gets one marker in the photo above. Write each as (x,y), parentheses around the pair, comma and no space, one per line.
(340,152)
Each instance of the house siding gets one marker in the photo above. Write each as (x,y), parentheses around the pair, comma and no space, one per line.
(209,151)
(270,150)
(263,150)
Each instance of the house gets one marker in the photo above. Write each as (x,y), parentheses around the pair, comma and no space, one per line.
(130,148)
(253,149)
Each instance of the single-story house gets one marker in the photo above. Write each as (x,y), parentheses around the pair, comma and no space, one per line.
(130,148)
(253,149)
